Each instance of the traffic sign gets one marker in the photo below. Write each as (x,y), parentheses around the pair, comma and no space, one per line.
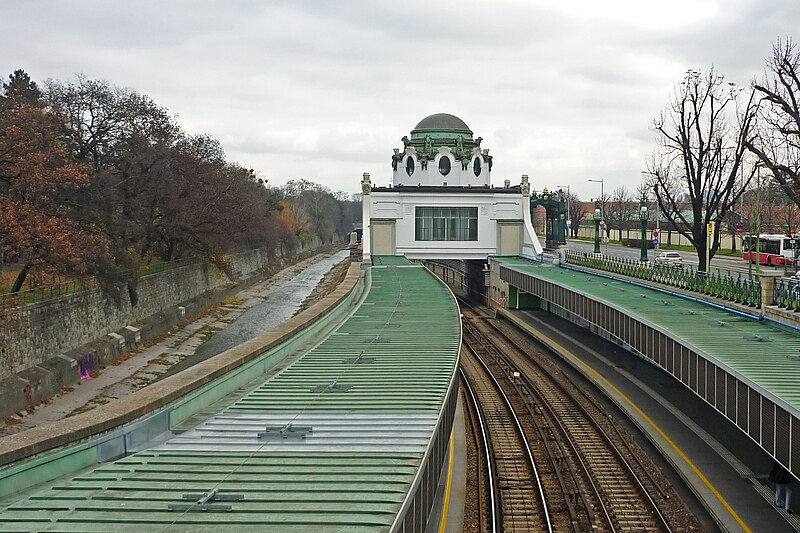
(655,233)
(655,242)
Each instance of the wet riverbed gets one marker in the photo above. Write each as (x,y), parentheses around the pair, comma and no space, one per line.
(279,301)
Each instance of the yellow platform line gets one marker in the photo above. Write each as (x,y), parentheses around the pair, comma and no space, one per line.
(443,523)
(649,421)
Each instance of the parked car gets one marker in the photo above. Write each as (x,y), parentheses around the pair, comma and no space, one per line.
(671,259)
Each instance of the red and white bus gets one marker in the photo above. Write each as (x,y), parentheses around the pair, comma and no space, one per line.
(773,249)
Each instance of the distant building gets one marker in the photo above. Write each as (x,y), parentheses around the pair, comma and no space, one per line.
(441,203)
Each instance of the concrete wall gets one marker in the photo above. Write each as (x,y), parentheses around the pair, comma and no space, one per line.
(55,342)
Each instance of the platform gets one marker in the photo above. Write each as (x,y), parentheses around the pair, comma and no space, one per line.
(349,437)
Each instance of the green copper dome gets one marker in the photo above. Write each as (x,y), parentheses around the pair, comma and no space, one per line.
(434,133)
(441,125)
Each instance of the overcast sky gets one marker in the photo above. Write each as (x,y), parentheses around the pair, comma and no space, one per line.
(562,90)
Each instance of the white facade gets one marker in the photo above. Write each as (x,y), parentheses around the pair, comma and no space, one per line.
(441,204)
(390,223)
(476,173)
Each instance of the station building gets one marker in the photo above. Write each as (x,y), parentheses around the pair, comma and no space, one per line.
(441,204)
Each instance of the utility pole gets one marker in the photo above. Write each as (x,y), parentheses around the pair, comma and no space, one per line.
(643,219)
(596,216)
(758,221)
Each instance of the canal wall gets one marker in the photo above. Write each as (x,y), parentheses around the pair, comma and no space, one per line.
(55,343)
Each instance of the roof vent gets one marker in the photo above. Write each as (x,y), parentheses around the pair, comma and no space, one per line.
(285,431)
(333,386)
(203,502)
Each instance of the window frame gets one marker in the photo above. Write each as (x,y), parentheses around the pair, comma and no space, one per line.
(445,224)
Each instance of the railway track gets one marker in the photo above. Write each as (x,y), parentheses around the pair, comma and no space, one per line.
(512,497)
(591,475)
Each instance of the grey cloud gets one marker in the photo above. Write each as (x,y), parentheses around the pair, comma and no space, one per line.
(325,90)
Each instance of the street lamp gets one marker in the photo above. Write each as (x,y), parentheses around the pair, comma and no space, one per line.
(602,202)
(602,197)
(643,219)
(569,215)
(596,216)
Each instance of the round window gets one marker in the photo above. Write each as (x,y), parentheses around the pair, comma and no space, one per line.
(444,166)
(410,166)
(476,166)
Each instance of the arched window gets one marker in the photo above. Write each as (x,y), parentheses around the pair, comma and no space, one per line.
(444,165)
(410,165)
(476,166)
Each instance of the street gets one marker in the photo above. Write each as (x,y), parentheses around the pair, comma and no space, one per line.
(725,265)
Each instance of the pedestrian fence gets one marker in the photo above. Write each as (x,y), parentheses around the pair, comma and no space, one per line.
(786,294)
(718,285)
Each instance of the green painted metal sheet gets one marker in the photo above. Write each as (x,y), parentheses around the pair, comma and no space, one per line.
(387,367)
(390,260)
(758,350)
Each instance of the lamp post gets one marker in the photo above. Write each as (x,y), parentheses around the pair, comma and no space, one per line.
(596,216)
(643,219)
(569,214)
(602,197)
(602,202)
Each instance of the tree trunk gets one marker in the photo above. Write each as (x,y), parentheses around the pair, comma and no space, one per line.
(700,248)
(21,278)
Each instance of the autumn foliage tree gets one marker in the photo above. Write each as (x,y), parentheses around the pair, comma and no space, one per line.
(97,180)
(38,189)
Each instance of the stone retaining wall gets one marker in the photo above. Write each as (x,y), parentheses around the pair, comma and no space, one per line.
(53,343)
(162,393)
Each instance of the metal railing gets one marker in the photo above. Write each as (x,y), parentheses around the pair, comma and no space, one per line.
(47,292)
(55,290)
(786,294)
(718,285)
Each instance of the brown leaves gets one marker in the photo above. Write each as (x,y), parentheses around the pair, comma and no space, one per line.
(37,185)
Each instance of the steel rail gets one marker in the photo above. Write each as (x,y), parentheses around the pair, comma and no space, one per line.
(554,419)
(601,431)
(495,516)
(517,423)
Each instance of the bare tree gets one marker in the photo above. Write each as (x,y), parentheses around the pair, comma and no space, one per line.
(619,210)
(577,211)
(702,158)
(778,143)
